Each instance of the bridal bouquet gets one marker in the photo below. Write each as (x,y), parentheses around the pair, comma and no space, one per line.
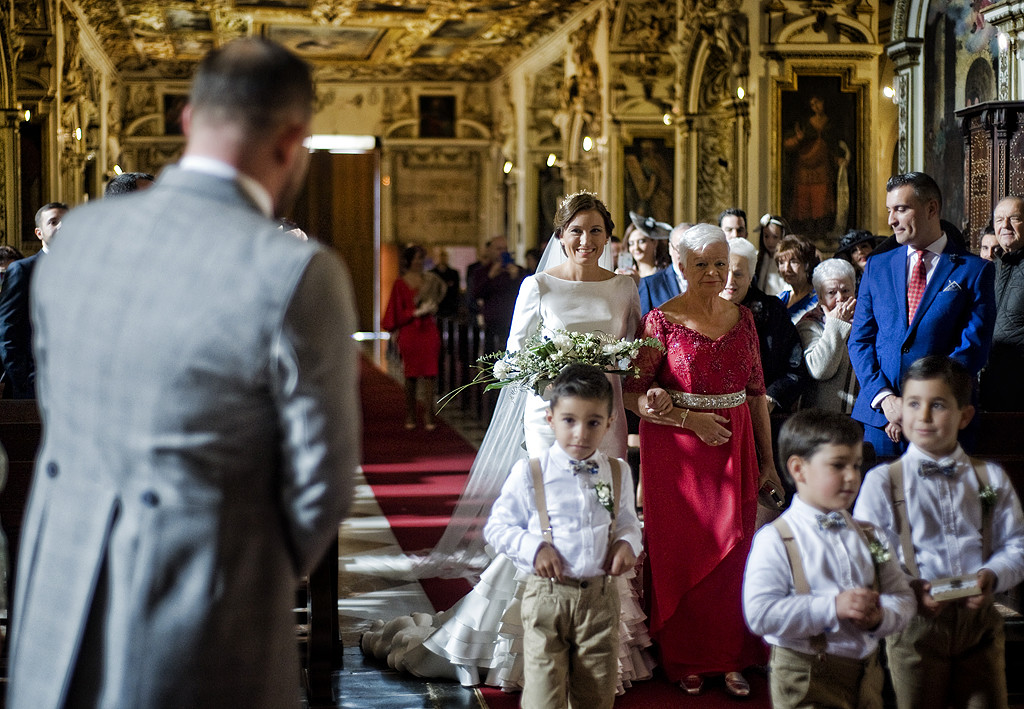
(546,353)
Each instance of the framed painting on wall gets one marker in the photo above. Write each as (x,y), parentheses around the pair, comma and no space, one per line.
(819,165)
(648,168)
(173,105)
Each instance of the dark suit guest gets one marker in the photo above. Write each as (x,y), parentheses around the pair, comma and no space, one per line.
(201,421)
(782,354)
(495,288)
(927,296)
(15,301)
(667,283)
(1002,382)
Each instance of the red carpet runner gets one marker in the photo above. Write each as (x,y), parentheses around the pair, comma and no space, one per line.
(417,476)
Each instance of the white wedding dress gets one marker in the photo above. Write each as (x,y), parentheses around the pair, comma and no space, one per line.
(483,631)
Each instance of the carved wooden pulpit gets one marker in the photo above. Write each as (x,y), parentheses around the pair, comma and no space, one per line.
(993,160)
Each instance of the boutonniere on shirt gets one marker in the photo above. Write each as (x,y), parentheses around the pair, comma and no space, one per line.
(879,551)
(951,286)
(604,496)
(988,497)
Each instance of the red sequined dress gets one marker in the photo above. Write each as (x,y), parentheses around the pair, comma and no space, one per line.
(700,501)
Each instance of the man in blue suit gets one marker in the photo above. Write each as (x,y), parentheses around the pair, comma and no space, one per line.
(667,283)
(954,316)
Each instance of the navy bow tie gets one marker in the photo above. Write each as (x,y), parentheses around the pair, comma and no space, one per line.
(831,521)
(929,467)
(583,466)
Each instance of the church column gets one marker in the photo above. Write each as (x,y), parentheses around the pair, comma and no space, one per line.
(906,57)
(1008,18)
(10,192)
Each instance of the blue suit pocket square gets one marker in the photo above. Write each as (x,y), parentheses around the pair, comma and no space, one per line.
(952,287)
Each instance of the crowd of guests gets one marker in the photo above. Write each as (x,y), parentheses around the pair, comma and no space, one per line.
(880,344)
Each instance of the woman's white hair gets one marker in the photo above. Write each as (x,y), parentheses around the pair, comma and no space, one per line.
(832,268)
(699,237)
(742,247)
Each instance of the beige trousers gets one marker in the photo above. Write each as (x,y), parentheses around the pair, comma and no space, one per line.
(797,679)
(570,643)
(956,659)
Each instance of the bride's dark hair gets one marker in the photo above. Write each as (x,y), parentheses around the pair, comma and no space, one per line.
(580,202)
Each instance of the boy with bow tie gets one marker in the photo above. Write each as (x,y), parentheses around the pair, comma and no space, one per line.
(567,519)
(959,520)
(820,587)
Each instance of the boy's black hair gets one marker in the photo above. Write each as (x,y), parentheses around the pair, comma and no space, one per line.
(809,429)
(948,370)
(584,381)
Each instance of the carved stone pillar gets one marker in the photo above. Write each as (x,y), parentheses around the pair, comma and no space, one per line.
(10,192)
(906,57)
(1008,18)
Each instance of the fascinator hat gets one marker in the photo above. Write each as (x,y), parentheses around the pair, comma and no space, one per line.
(777,221)
(855,238)
(650,226)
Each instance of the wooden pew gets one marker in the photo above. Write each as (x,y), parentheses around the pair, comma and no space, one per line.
(20,433)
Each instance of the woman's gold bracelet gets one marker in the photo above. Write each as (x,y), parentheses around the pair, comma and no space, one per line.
(682,417)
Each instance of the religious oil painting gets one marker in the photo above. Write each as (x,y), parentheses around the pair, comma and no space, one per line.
(437,116)
(647,164)
(819,157)
(173,105)
(961,60)
(315,42)
(304,4)
(191,20)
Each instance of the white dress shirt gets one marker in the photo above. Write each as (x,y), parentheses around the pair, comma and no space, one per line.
(211,166)
(834,561)
(579,521)
(945,517)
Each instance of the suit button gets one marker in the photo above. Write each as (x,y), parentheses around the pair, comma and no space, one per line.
(584,584)
(51,469)
(150,499)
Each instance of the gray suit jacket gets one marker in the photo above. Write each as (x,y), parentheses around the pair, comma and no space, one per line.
(197,381)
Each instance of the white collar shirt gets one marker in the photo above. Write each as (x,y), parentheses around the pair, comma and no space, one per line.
(945,517)
(578,520)
(931,256)
(218,168)
(680,281)
(834,561)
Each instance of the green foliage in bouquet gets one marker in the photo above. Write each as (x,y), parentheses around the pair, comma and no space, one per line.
(545,354)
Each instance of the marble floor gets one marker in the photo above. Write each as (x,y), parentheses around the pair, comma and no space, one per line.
(375,583)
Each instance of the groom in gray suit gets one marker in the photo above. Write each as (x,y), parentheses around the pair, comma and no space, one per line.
(199,417)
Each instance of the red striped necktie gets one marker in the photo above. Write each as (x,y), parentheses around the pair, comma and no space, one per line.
(916,284)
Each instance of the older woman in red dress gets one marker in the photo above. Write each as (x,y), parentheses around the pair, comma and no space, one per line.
(705,449)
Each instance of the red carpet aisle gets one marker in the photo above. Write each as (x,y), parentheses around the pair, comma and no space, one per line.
(416,477)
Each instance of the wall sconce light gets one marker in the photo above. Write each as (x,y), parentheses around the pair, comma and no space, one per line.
(385,180)
(552,159)
(28,116)
(740,93)
(588,143)
(507,167)
(888,92)
(667,119)
(78,133)
(1004,41)
(118,170)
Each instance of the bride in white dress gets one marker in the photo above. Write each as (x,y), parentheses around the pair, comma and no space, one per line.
(483,630)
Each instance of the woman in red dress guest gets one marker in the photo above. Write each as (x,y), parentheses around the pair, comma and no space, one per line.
(411,307)
(705,449)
